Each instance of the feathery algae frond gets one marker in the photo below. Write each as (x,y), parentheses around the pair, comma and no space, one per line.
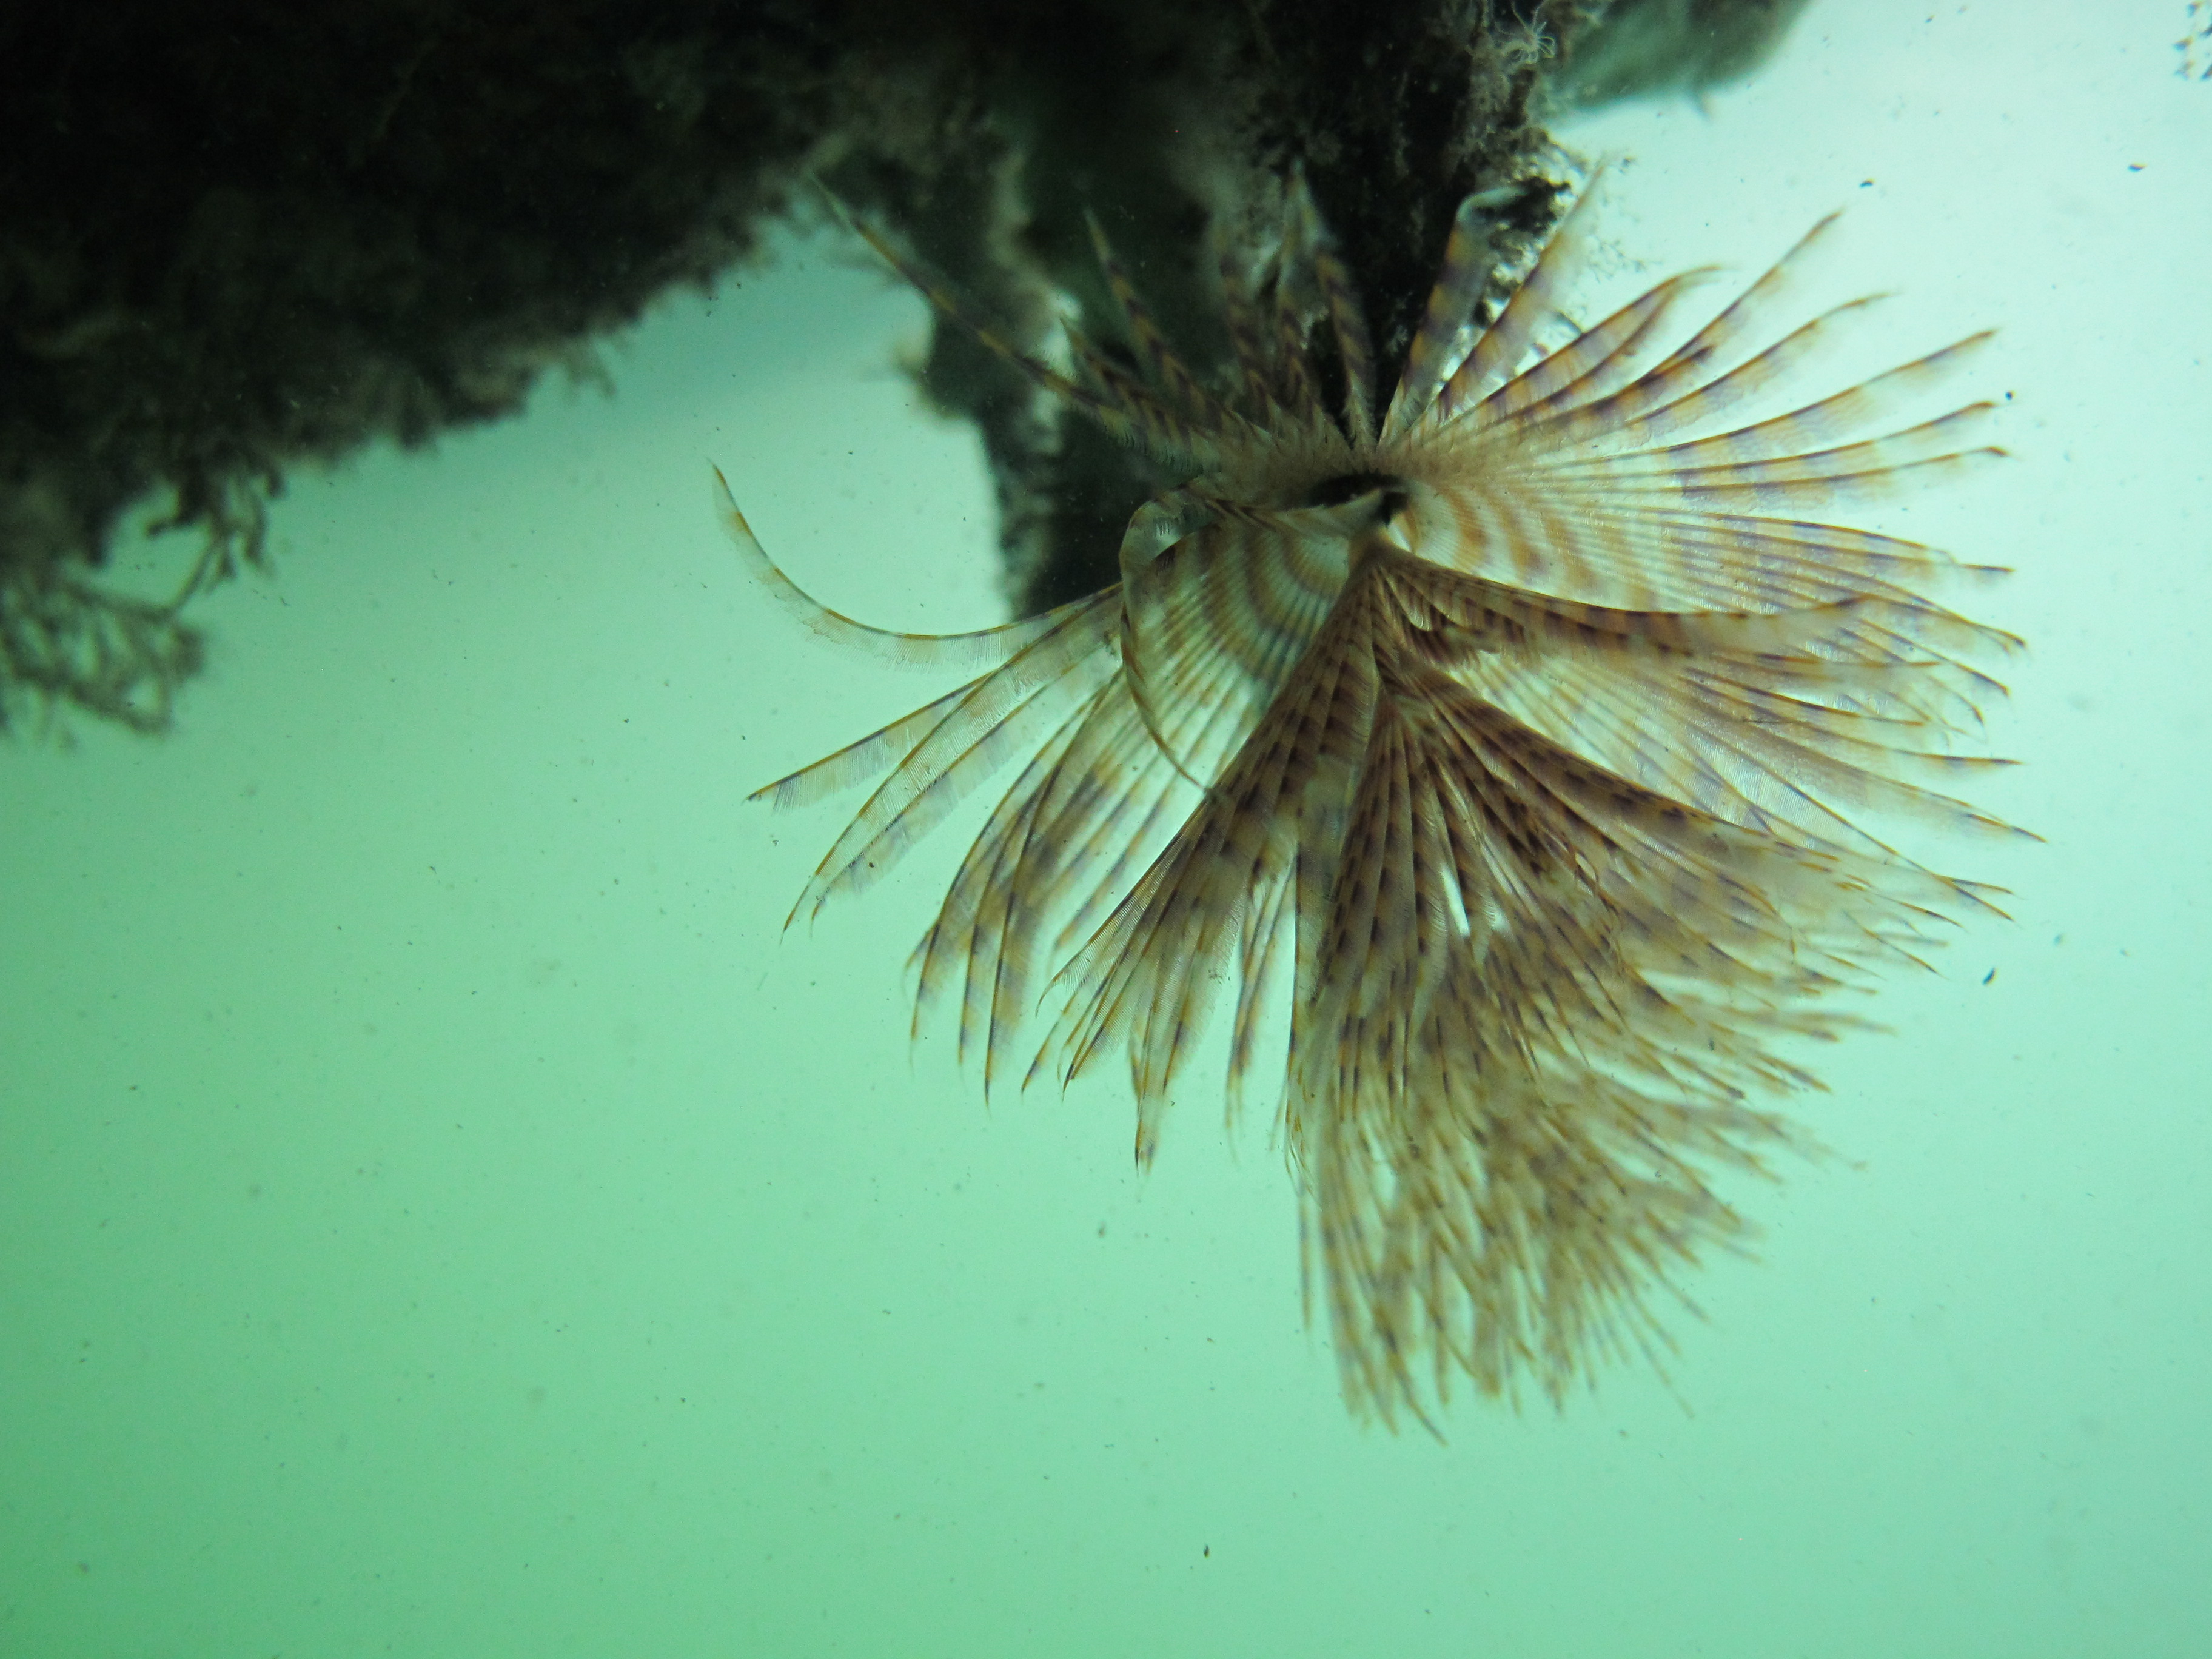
(1515,747)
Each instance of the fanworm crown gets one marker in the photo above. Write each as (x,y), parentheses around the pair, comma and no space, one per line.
(1500,744)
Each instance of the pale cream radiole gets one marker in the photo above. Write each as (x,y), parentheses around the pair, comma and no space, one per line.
(1504,749)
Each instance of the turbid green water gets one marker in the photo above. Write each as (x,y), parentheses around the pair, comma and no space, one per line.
(439,1216)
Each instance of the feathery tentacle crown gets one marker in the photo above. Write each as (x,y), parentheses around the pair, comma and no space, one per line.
(1501,746)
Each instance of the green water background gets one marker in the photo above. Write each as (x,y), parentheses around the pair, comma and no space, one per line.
(441,1215)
